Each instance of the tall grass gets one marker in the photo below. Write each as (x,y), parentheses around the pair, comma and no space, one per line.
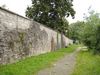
(87,64)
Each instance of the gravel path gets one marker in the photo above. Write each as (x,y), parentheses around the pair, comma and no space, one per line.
(64,66)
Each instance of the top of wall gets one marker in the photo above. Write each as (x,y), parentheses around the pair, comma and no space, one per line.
(26,18)
(13,13)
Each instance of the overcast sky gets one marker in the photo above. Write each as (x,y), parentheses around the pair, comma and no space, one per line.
(80,6)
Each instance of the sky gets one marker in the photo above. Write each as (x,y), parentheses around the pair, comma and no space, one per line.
(80,6)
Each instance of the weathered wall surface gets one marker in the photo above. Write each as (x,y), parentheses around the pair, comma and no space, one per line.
(21,37)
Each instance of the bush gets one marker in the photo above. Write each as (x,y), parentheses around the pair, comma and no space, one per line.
(91,33)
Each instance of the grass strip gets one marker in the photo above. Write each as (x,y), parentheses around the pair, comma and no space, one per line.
(32,65)
(87,64)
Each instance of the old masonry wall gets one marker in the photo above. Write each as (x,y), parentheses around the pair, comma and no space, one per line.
(21,37)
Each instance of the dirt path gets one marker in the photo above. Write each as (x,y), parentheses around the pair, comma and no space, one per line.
(64,66)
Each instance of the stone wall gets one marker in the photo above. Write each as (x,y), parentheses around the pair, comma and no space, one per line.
(21,37)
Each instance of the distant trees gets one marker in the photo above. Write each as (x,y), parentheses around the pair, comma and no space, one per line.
(88,32)
(51,13)
(74,31)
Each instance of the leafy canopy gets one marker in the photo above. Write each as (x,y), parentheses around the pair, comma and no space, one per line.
(51,13)
(88,32)
(75,30)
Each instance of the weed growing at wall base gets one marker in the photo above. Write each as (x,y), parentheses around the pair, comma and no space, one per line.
(32,65)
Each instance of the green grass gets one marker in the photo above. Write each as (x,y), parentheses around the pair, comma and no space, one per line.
(87,64)
(32,65)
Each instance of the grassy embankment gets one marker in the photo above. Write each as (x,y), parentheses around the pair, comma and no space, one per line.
(87,64)
(32,65)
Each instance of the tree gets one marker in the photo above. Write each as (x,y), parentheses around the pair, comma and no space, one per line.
(64,26)
(91,32)
(51,12)
(75,30)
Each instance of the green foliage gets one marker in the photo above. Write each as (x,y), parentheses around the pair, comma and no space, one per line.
(87,32)
(51,12)
(91,35)
(74,30)
(87,64)
(32,65)
(21,37)
(63,27)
